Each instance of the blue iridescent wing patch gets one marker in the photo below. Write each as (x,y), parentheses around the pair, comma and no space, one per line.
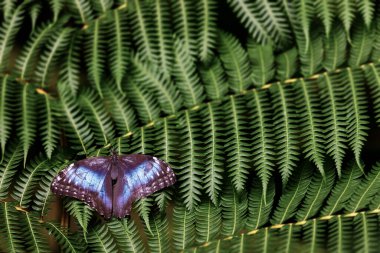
(111,184)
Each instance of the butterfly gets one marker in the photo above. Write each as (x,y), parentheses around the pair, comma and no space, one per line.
(110,184)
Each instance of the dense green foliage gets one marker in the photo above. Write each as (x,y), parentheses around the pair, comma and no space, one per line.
(264,109)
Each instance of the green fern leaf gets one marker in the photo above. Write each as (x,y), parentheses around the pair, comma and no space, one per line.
(208,222)
(335,48)
(143,208)
(56,6)
(147,74)
(32,231)
(8,31)
(215,80)
(305,13)
(237,142)
(285,121)
(102,5)
(311,59)
(234,210)
(293,194)
(6,110)
(159,240)
(313,236)
(55,47)
(183,227)
(120,109)
(80,211)
(164,30)
(10,228)
(325,10)
(343,190)
(259,205)
(375,56)
(262,62)
(367,9)
(27,115)
(25,185)
(126,235)
(8,167)
(191,159)
(339,239)
(263,137)
(7,7)
(207,28)
(366,191)
(185,25)
(143,99)
(334,111)
(366,234)
(66,241)
(81,10)
(361,45)
(97,116)
(213,137)
(286,64)
(95,53)
(186,76)
(235,61)
(346,13)
(372,74)
(27,59)
(34,12)
(311,122)
(78,129)
(316,194)
(101,241)
(357,117)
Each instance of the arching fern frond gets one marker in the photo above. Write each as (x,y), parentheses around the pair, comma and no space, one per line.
(262,62)
(11,228)
(366,233)
(361,44)
(101,241)
(215,80)
(372,74)
(7,95)
(286,64)
(346,13)
(207,28)
(82,11)
(183,227)
(159,240)
(335,47)
(67,241)
(325,12)
(80,211)
(8,167)
(208,222)
(33,237)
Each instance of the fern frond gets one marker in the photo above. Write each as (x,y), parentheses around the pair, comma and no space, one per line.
(361,45)
(143,28)
(164,40)
(7,7)
(357,118)
(313,238)
(102,6)
(97,116)
(213,137)
(263,138)
(11,228)
(234,210)
(142,141)
(159,240)
(325,10)
(101,241)
(95,53)
(82,10)
(25,185)
(262,62)
(119,47)
(339,239)
(293,194)
(56,6)
(34,12)
(286,64)
(185,24)
(32,231)
(147,74)
(237,143)
(366,233)
(7,95)
(304,15)
(67,242)
(235,61)
(343,189)
(311,59)
(285,121)
(80,211)
(126,235)
(143,99)
(346,13)
(78,129)
(366,190)
(70,72)
(27,115)
(8,167)
(55,47)
(143,207)
(186,76)
(26,61)
(208,222)
(120,109)
(8,31)
(333,109)
(207,28)
(372,75)
(183,227)
(191,159)
(260,205)
(318,190)
(367,9)
(311,122)
(335,48)
(215,80)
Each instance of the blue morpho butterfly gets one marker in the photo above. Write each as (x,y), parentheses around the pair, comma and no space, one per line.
(109,184)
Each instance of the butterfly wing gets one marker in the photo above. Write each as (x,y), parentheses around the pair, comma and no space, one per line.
(138,176)
(88,180)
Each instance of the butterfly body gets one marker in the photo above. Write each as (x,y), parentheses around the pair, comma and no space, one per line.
(110,184)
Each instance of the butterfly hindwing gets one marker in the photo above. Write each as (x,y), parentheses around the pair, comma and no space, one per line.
(87,180)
